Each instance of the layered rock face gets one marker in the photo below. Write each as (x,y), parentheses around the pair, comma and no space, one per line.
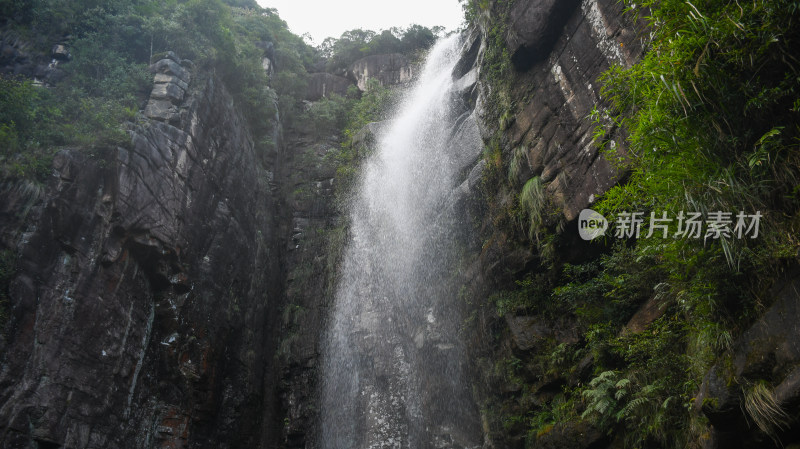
(173,293)
(559,50)
(388,70)
(147,284)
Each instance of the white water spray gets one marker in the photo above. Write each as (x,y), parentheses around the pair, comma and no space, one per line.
(393,370)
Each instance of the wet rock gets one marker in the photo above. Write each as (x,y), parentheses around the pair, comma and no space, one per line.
(313,239)
(366,138)
(470,51)
(559,89)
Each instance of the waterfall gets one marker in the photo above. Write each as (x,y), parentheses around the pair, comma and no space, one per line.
(393,372)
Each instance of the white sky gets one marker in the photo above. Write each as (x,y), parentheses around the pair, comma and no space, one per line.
(330,18)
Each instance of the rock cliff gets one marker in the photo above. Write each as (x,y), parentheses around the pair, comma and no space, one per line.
(538,117)
(322,85)
(148,284)
(555,86)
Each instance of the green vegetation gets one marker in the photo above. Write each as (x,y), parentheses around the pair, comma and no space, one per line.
(532,200)
(355,44)
(711,114)
(112,43)
(349,116)
(107,81)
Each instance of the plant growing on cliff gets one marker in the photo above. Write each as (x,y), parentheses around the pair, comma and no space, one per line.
(763,409)
(374,105)
(712,118)
(532,200)
(713,123)
(107,78)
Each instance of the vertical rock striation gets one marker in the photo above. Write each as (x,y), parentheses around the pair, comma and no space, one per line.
(147,282)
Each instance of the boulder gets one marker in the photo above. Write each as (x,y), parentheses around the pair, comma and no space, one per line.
(170,67)
(167,91)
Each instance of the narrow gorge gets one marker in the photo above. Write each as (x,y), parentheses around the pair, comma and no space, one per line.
(214,235)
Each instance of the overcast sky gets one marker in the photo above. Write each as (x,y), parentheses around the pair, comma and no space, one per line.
(322,18)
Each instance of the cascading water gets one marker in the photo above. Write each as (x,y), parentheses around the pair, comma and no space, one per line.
(393,370)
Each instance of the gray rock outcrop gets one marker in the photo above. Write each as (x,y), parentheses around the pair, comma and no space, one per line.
(170,84)
(18,57)
(390,69)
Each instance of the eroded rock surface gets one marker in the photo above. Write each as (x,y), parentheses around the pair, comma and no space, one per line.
(148,282)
